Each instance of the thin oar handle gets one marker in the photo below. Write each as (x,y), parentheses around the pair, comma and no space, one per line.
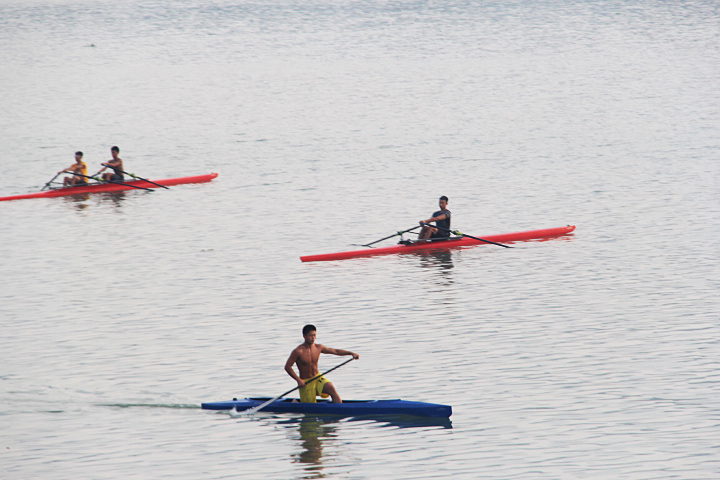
(110,181)
(135,176)
(390,236)
(466,235)
(260,407)
(51,180)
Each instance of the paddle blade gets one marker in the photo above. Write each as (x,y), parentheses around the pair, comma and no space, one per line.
(254,410)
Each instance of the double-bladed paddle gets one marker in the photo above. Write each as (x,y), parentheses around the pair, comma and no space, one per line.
(253,410)
(135,176)
(455,232)
(110,181)
(389,236)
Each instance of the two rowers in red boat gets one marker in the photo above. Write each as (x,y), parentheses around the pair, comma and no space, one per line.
(80,175)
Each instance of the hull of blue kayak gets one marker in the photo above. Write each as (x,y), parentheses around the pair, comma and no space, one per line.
(349,408)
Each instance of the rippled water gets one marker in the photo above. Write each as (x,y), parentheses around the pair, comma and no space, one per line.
(589,356)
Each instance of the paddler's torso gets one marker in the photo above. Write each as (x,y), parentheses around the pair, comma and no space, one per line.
(307,360)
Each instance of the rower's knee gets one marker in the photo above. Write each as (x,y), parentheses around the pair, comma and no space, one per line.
(329,388)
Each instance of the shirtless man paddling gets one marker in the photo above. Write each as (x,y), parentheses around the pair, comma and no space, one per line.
(306,356)
(116,165)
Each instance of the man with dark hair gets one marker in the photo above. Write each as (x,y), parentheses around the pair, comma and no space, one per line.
(441,219)
(306,356)
(79,167)
(116,165)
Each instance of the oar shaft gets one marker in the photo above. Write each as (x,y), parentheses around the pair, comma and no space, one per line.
(260,407)
(116,183)
(135,176)
(320,375)
(466,235)
(51,181)
(390,236)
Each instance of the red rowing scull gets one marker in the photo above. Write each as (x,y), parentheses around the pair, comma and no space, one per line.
(454,242)
(112,187)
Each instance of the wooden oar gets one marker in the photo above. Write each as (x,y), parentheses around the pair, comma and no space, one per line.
(455,232)
(250,411)
(117,183)
(51,180)
(135,176)
(390,236)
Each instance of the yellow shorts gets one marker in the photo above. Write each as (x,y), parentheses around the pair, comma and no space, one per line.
(311,390)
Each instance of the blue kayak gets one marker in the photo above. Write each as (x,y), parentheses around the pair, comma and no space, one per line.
(349,408)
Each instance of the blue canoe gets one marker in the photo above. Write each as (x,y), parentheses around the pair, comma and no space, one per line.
(349,408)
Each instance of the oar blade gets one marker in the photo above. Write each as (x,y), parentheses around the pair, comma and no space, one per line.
(51,181)
(254,410)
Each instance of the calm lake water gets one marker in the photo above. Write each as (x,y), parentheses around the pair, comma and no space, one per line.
(591,356)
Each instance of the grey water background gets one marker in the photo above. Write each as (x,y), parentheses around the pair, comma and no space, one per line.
(338,122)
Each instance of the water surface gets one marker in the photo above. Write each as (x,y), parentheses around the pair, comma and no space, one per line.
(334,123)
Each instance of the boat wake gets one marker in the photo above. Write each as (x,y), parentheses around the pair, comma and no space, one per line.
(150,405)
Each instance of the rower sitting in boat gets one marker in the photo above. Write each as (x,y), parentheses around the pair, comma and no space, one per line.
(306,356)
(116,165)
(441,219)
(79,167)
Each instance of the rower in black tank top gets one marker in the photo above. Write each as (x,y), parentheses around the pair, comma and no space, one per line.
(442,222)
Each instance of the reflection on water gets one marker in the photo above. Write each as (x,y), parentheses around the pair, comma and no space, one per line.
(436,258)
(317,433)
(114,198)
(440,262)
(313,432)
(77,200)
(80,200)
(406,421)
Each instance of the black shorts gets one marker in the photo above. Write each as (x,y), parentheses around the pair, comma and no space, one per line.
(440,234)
(117,177)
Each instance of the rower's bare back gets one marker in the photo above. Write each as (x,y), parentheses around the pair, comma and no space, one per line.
(307,359)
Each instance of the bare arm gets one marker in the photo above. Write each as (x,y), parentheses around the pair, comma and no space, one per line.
(111,163)
(434,219)
(339,352)
(289,368)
